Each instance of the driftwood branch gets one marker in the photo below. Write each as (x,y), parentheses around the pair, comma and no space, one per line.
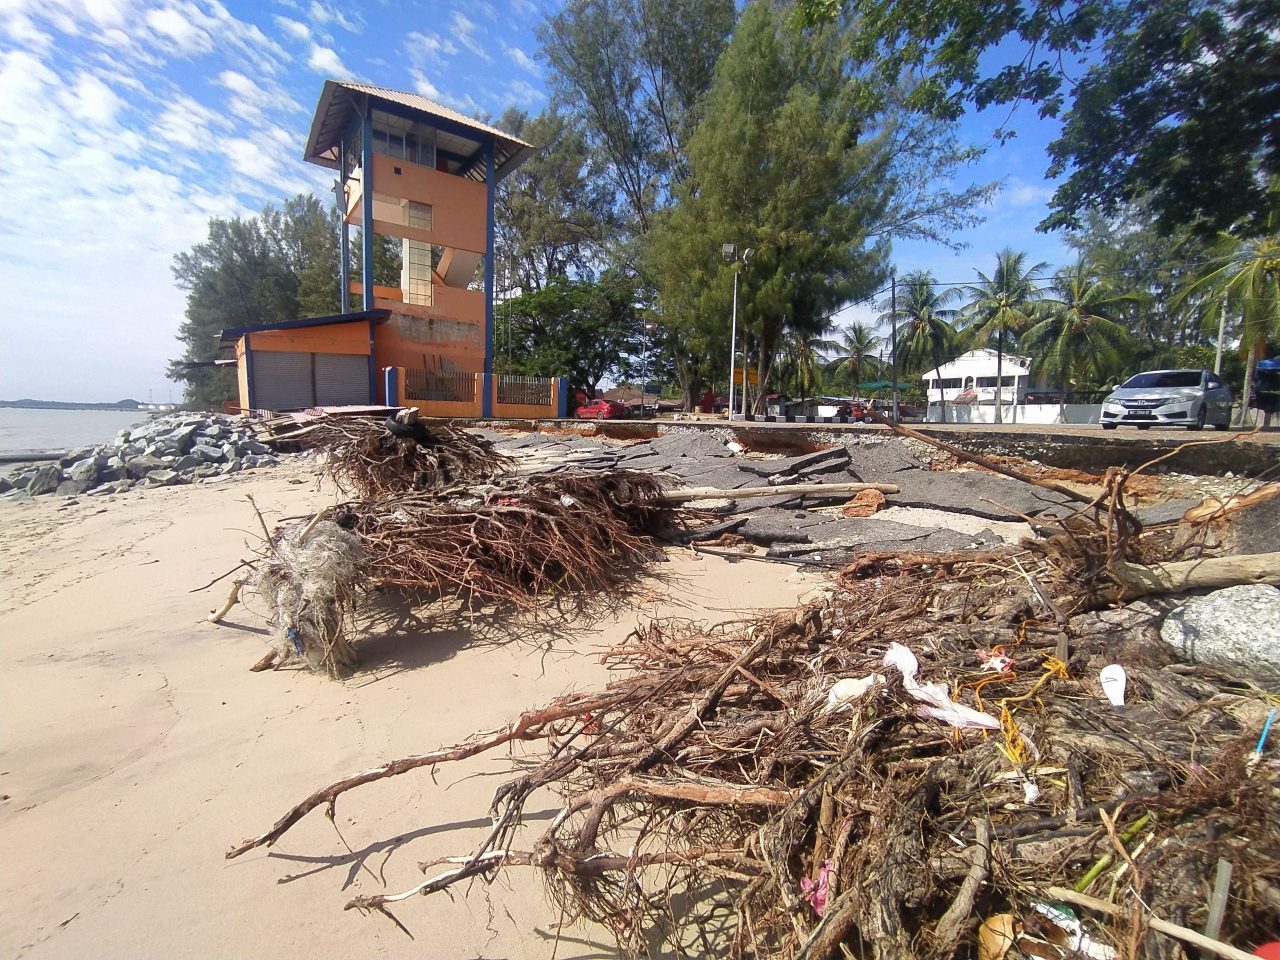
(952,924)
(1155,923)
(233,597)
(961,454)
(525,727)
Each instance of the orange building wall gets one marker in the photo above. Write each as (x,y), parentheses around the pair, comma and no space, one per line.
(457,204)
(394,349)
(334,338)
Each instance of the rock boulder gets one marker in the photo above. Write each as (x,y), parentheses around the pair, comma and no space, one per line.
(1236,629)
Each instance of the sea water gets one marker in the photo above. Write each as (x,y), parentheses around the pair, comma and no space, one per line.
(42,430)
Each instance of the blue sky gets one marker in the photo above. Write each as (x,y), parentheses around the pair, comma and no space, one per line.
(127,124)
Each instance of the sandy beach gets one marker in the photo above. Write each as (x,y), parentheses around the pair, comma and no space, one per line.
(138,747)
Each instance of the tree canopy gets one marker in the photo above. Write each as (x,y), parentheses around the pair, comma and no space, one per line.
(581,329)
(1176,102)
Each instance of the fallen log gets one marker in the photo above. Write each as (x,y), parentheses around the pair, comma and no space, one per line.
(794,489)
(1182,576)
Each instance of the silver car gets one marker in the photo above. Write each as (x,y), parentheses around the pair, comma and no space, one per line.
(1169,398)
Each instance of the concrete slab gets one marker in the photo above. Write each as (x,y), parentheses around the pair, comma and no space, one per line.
(971,492)
(822,460)
(879,462)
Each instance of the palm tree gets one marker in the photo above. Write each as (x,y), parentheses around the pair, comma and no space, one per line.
(800,362)
(1001,306)
(855,351)
(926,330)
(1246,274)
(1079,333)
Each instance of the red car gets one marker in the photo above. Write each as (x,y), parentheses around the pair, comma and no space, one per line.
(601,409)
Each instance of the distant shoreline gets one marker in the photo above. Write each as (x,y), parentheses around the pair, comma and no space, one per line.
(129,406)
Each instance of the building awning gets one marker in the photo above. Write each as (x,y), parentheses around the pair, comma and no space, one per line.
(341,102)
(232,334)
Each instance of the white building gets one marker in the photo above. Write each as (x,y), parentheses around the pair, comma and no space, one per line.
(971,378)
(967,387)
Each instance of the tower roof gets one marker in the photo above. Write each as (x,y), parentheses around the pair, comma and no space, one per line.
(342,101)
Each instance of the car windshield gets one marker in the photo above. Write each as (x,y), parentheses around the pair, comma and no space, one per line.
(1164,378)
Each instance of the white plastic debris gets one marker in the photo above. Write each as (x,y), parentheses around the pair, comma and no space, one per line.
(735,446)
(844,692)
(1113,680)
(933,697)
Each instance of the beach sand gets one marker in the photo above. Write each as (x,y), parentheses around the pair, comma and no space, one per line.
(137,748)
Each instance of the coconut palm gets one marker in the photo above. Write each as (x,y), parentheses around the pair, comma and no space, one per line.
(800,361)
(926,331)
(855,352)
(1079,334)
(1245,274)
(1002,305)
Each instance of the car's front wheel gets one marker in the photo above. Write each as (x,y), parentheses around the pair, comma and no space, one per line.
(601,415)
(1108,426)
(1200,418)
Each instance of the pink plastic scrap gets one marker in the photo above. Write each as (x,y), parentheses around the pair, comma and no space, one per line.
(816,893)
(933,697)
(997,662)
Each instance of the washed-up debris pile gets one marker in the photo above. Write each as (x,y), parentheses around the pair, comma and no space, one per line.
(985,753)
(376,459)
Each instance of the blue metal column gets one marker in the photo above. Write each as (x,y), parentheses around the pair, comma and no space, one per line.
(391,380)
(490,181)
(344,232)
(366,221)
(248,371)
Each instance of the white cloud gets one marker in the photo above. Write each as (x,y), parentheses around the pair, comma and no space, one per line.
(325,61)
(523,94)
(266,156)
(23,32)
(524,8)
(1019,193)
(188,124)
(186,38)
(326,14)
(117,205)
(294,28)
(424,86)
(251,99)
(522,60)
(91,100)
(420,46)
(465,31)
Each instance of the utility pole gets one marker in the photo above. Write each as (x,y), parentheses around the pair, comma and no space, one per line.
(1222,328)
(893,334)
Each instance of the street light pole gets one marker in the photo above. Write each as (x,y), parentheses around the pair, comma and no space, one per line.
(733,338)
(644,364)
(893,335)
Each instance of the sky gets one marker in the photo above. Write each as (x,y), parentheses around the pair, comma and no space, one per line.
(126,124)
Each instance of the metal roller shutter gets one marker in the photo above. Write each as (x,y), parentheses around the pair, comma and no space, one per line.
(281,381)
(341,379)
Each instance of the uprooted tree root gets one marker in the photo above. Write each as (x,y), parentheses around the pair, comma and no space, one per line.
(515,542)
(366,459)
(712,796)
